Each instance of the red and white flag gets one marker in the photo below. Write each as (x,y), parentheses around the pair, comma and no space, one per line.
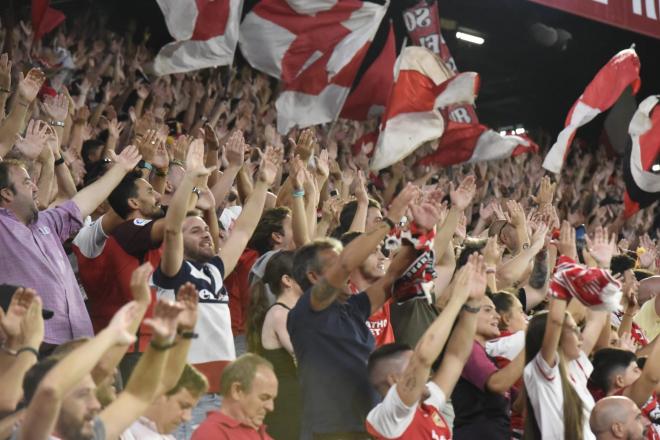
(468,142)
(315,47)
(369,98)
(44,18)
(642,185)
(423,85)
(206,33)
(604,90)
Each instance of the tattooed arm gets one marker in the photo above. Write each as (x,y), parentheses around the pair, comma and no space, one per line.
(537,286)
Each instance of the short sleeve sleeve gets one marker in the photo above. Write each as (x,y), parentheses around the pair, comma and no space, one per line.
(135,237)
(478,367)
(64,219)
(437,397)
(391,417)
(541,369)
(507,347)
(91,238)
(362,304)
(162,281)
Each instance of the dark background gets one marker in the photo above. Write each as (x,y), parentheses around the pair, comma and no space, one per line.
(522,81)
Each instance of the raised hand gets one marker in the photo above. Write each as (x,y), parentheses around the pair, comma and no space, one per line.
(180,149)
(195,160)
(516,213)
(127,159)
(305,145)
(361,188)
(210,137)
(164,321)
(57,107)
(21,301)
(33,325)
(187,297)
(140,283)
(35,139)
(141,89)
(487,211)
(538,237)
(5,72)
(461,227)
(566,244)
(147,145)
(401,202)
(647,259)
(478,277)
(600,248)
(462,196)
(270,164)
(161,158)
(120,324)
(426,215)
(29,86)
(235,149)
(115,128)
(493,252)
(322,164)
(546,192)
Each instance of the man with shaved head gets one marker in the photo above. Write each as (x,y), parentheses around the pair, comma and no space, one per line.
(617,417)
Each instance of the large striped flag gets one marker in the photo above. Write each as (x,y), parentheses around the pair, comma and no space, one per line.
(642,185)
(206,33)
(620,72)
(315,47)
(423,85)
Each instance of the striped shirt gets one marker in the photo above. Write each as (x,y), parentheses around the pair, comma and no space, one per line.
(214,348)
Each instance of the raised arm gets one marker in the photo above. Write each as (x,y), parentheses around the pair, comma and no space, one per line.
(93,195)
(28,88)
(172,258)
(299,220)
(511,272)
(44,408)
(23,326)
(325,292)
(458,351)
(251,213)
(413,383)
(235,154)
(146,377)
(360,218)
(461,198)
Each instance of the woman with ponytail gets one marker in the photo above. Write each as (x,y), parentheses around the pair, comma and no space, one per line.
(557,367)
(268,337)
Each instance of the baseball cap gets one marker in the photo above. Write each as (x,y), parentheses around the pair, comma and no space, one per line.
(7,292)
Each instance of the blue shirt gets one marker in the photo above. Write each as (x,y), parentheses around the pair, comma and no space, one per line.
(332,348)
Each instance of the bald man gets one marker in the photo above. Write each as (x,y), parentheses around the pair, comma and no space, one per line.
(617,417)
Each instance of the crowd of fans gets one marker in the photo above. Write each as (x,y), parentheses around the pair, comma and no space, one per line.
(172,267)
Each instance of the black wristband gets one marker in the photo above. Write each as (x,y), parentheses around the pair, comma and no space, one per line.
(59,161)
(471,309)
(29,350)
(163,347)
(188,335)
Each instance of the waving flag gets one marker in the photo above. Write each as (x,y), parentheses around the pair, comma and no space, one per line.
(604,90)
(206,33)
(44,18)
(315,47)
(424,84)
(369,98)
(642,185)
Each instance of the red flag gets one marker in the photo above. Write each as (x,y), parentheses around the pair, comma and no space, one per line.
(315,47)
(206,32)
(370,96)
(44,18)
(604,90)
(423,85)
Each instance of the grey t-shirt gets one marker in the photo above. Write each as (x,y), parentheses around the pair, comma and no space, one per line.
(99,431)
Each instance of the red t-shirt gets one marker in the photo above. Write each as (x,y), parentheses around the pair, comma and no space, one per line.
(393,420)
(106,267)
(219,426)
(379,322)
(238,287)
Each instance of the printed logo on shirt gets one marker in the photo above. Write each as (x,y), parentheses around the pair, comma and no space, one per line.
(44,230)
(377,327)
(141,221)
(206,295)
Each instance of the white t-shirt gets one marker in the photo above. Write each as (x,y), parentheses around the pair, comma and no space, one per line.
(391,418)
(507,347)
(144,429)
(545,393)
(91,238)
